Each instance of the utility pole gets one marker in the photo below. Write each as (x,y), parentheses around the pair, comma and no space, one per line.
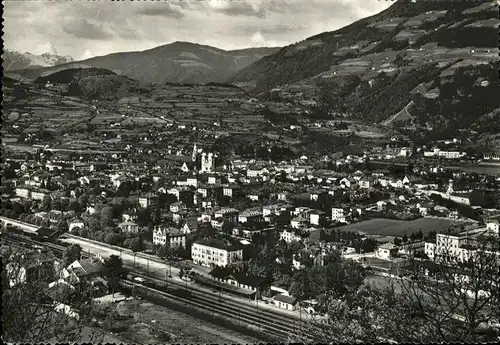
(300,307)
(258,314)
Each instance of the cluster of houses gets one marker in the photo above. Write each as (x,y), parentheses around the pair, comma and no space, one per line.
(201,182)
(61,285)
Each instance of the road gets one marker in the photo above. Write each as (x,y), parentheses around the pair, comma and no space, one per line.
(156,268)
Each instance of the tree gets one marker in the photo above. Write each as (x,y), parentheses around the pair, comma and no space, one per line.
(71,254)
(114,270)
(111,238)
(46,203)
(28,313)
(161,252)
(75,206)
(466,286)
(405,238)
(136,244)
(450,300)
(397,241)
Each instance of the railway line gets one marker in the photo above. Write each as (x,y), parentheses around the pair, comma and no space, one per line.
(277,326)
(276,332)
(259,316)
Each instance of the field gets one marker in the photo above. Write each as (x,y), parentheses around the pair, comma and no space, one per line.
(392,227)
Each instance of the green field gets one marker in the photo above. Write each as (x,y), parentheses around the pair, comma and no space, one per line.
(392,227)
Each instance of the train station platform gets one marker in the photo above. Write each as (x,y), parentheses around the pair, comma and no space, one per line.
(223,287)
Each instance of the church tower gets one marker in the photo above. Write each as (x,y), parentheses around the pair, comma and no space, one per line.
(195,151)
(450,190)
(207,162)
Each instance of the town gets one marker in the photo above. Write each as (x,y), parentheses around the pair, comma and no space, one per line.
(247,226)
(326,178)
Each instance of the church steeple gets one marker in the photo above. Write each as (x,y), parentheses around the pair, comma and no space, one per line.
(195,151)
(450,190)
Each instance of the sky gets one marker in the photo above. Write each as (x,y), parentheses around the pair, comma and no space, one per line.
(83,29)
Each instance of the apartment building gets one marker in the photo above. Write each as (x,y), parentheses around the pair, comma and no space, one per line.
(213,252)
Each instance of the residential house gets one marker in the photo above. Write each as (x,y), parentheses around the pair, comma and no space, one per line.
(231,214)
(183,194)
(256,172)
(188,166)
(189,181)
(298,222)
(317,217)
(250,217)
(129,227)
(387,251)
(230,190)
(168,236)
(283,196)
(75,224)
(340,214)
(275,210)
(84,269)
(493,227)
(213,180)
(23,192)
(148,200)
(177,207)
(290,236)
(39,194)
(190,225)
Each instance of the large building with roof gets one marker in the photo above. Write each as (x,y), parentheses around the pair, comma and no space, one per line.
(213,252)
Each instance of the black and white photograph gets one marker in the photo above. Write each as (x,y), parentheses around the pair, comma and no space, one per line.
(250,171)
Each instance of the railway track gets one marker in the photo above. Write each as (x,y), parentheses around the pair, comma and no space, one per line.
(276,331)
(262,313)
(272,324)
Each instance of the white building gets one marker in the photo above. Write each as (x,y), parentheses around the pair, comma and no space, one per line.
(289,236)
(75,223)
(493,227)
(171,237)
(387,251)
(250,216)
(212,252)
(230,214)
(207,162)
(452,247)
(23,192)
(339,215)
(129,227)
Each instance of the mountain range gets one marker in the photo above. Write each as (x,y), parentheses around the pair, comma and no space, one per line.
(13,60)
(178,62)
(429,64)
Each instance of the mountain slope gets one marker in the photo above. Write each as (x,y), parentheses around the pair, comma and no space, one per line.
(403,25)
(13,60)
(373,68)
(93,83)
(179,62)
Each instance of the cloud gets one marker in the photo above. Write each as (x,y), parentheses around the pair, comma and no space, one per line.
(259,40)
(162,10)
(74,27)
(85,28)
(242,8)
(43,48)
